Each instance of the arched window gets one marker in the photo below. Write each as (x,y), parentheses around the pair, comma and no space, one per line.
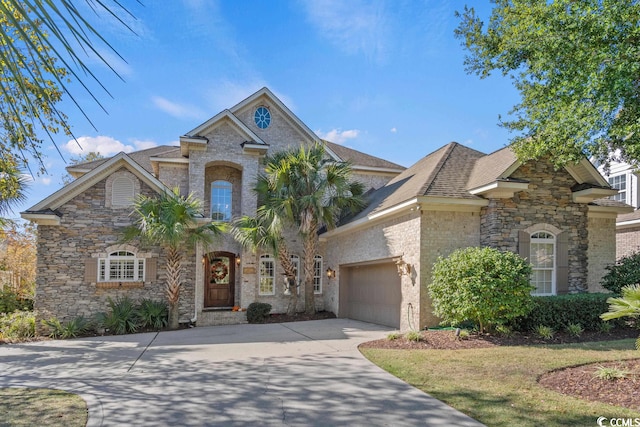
(122,191)
(543,261)
(121,266)
(267,275)
(317,274)
(221,200)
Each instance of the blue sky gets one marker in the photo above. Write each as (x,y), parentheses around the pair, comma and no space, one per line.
(383,77)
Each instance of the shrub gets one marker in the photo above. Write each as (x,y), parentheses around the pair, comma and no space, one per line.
(605,327)
(575,329)
(626,271)
(415,336)
(610,373)
(462,334)
(559,311)
(544,332)
(71,329)
(153,314)
(257,312)
(123,317)
(481,284)
(10,302)
(18,325)
(391,336)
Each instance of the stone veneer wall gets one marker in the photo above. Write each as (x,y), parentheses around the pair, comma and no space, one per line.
(627,241)
(442,233)
(602,247)
(89,230)
(548,201)
(399,236)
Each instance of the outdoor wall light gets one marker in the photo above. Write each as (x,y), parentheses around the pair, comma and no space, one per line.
(404,269)
(331,273)
(204,259)
(238,260)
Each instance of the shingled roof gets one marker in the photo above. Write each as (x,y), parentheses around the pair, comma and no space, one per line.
(141,157)
(358,158)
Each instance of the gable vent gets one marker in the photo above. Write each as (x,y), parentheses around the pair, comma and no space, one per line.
(122,192)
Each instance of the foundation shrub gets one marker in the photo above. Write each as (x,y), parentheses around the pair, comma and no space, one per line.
(257,312)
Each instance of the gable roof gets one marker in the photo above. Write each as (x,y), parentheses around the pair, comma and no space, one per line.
(141,157)
(451,175)
(100,172)
(360,160)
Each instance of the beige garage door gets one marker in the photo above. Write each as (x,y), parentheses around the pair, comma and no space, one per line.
(371,293)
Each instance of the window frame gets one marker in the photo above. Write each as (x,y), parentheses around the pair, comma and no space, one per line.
(318,274)
(536,238)
(264,259)
(616,180)
(118,187)
(118,259)
(221,184)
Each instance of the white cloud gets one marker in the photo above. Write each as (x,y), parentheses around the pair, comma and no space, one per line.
(143,145)
(393,130)
(180,111)
(352,26)
(104,145)
(338,136)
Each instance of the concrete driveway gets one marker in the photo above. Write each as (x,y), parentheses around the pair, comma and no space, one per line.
(291,374)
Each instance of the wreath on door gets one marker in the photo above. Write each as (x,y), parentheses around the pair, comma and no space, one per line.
(219,271)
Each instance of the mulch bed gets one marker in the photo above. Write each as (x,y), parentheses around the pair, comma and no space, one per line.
(578,381)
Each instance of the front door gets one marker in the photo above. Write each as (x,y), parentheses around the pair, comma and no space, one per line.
(219,277)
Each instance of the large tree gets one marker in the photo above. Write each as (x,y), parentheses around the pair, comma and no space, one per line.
(44,45)
(309,190)
(171,221)
(576,65)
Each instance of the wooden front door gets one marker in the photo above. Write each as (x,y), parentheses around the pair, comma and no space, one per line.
(219,279)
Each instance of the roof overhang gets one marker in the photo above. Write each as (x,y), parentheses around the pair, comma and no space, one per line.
(596,211)
(385,171)
(627,224)
(500,189)
(590,194)
(252,147)
(41,218)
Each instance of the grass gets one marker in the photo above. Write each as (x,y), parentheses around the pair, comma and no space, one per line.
(498,386)
(41,407)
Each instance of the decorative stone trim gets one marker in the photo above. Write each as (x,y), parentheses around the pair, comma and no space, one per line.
(119,285)
(543,227)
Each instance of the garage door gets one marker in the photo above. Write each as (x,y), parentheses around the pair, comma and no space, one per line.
(371,293)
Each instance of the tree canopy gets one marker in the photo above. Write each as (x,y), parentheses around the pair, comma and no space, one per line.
(576,65)
(42,49)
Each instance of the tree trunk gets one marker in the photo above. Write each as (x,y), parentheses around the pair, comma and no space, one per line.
(174,267)
(289,270)
(310,247)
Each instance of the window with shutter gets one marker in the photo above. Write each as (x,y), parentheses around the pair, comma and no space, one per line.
(122,192)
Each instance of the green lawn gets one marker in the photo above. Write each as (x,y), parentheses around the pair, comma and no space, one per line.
(498,386)
(41,407)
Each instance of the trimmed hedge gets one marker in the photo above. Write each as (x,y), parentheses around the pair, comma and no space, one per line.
(257,312)
(560,311)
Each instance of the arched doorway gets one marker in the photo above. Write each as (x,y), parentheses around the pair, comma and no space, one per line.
(219,280)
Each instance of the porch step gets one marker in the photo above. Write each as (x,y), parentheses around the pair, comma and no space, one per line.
(216,318)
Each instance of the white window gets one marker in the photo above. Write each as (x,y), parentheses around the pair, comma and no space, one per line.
(121,266)
(267,275)
(122,191)
(317,274)
(221,200)
(619,182)
(543,260)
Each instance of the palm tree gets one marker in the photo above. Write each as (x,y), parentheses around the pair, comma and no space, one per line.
(12,186)
(628,305)
(309,191)
(170,221)
(264,231)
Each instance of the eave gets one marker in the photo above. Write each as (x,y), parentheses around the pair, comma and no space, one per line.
(41,218)
(590,194)
(501,189)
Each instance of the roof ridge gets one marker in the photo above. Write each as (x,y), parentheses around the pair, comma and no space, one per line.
(447,154)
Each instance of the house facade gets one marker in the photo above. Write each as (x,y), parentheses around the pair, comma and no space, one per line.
(379,260)
(623,177)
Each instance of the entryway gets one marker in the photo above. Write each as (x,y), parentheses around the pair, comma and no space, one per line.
(219,280)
